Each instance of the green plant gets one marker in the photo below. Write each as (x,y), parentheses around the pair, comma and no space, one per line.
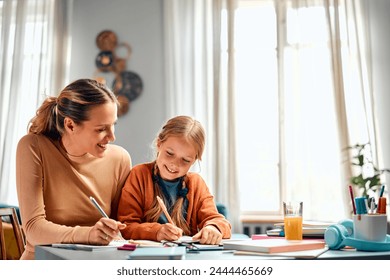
(368,175)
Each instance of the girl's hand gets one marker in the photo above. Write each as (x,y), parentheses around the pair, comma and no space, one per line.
(209,235)
(169,232)
(104,231)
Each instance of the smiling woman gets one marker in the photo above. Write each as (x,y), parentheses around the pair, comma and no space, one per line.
(67,154)
(93,135)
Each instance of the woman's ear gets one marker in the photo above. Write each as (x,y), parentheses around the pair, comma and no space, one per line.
(69,124)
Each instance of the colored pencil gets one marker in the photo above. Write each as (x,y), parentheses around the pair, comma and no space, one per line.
(352,199)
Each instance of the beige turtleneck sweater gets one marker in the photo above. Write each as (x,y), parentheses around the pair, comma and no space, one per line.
(54,189)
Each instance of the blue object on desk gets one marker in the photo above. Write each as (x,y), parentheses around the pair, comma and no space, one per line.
(3,205)
(361,205)
(276,232)
(340,235)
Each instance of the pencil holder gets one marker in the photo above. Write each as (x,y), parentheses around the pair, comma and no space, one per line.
(370,227)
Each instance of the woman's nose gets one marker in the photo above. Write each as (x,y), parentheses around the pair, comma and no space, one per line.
(111,134)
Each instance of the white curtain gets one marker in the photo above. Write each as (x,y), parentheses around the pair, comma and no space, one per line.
(34,55)
(328,100)
(351,65)
(196,85)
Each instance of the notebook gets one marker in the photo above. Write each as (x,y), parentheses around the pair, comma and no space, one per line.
(145,243)
(271,245)
(161,253)
(306,232)
(85,247)
(313,229)
(305,254)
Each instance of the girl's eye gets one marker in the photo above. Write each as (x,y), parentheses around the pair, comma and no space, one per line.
(169,153)
(186,160)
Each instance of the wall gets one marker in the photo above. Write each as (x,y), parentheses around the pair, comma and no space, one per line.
(140,24)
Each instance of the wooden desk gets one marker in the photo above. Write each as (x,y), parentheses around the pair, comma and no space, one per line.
(50,253)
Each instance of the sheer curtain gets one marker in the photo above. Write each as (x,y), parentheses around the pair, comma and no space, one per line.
(352,84)
(34,50)
(196,85)
(326,99)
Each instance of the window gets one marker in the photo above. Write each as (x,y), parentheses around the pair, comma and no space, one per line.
(287,139)
(257,92)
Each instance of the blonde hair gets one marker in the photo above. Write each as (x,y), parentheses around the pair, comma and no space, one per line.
(187,128)
(75,102)
(191,130)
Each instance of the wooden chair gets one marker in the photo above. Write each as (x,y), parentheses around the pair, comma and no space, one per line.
(10,213)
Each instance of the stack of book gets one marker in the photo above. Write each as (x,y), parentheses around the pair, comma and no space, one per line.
(307,249)
(310,229)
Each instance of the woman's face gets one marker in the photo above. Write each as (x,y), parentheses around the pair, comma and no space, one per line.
(92,136)
(175,157)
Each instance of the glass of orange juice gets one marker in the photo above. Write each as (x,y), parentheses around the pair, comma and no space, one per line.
(293,220)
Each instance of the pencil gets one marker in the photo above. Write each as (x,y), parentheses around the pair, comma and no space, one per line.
(100,209)
(164,209)
(382,190)
(353,199)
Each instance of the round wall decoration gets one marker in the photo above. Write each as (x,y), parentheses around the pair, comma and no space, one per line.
(105,61)
(106,40)
(127,85)
(124,105)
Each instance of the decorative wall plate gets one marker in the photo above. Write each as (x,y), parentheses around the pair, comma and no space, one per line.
(106,40)
(112,59)
(105,61)
(129,84)
(124,105)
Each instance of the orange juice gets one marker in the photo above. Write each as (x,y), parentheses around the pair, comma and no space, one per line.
(293,227)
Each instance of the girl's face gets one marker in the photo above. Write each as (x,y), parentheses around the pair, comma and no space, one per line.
(175,157)
(92,136)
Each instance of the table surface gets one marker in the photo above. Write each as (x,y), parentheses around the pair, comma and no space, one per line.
(46,252)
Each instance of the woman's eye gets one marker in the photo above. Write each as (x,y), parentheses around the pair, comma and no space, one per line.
(186,160)
(169,154)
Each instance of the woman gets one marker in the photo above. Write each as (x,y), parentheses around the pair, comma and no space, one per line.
(190,206)
(65,158)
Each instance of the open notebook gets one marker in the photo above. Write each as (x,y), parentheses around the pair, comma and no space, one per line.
(139,244)
(85,247)
(184,241)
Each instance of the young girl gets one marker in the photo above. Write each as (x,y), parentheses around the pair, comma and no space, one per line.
(186,196)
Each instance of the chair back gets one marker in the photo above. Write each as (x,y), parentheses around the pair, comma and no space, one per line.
(11,218)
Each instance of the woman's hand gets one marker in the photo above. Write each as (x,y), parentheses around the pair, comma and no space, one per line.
(209,235)
(169,232)
(104,231)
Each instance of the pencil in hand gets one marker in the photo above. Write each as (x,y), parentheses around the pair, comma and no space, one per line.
(100,209)
(164,209)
